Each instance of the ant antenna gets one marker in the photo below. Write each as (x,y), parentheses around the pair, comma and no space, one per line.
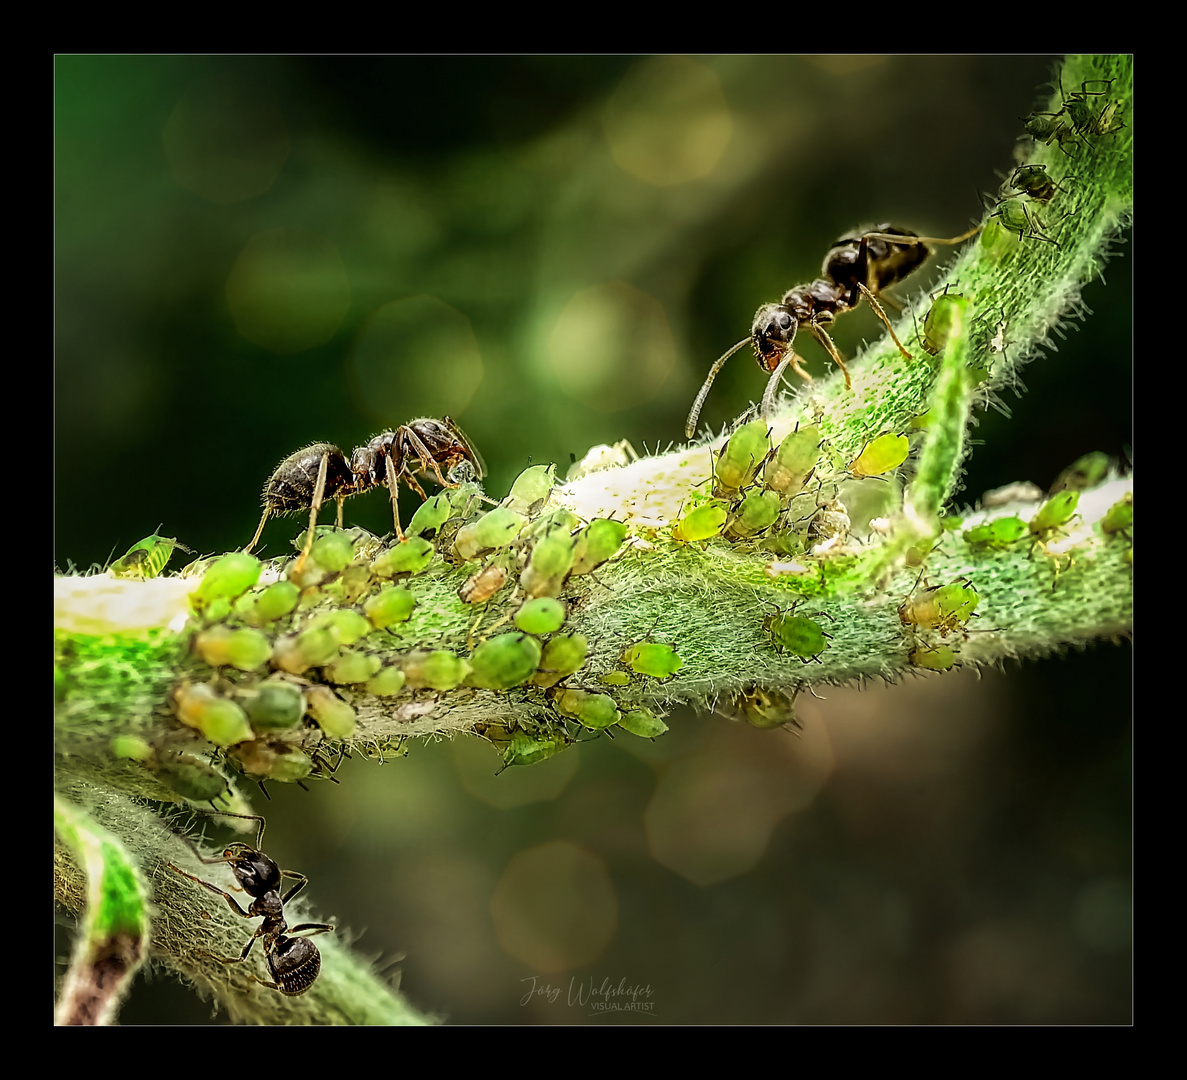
(690,425)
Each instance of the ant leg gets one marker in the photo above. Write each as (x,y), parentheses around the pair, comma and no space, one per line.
(886,322)
(426,459)
(259,530)
(301,882)
(231,901)
(319,491)
(905,240)
(340,499)
(768,396)
(393,487)
(690,425)
(312,927)
(821,335)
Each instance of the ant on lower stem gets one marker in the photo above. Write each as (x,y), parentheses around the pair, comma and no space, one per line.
(863,263)
(294,962)
(306,479)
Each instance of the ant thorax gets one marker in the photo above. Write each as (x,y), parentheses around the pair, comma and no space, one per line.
(366,462)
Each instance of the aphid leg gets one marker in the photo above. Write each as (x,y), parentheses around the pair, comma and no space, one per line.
(393,487)
(822,336)
(886,322)
(319,491)
(690,425)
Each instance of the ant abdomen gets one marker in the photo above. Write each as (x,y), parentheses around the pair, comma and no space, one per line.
(295,963)
(291,486)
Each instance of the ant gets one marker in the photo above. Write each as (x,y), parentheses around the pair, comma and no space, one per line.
(294,962)
(321,471)
(863,263)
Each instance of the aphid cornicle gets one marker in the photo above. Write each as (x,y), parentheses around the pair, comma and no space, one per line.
(862,263)
(294,962)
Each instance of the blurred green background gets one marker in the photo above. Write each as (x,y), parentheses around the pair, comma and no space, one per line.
(256,253)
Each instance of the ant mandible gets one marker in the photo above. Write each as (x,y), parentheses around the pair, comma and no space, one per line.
(305,479)
(863,263)
(294,962)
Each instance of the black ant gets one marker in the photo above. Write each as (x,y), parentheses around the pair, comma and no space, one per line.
(863,263)
(304,480)
(294,962)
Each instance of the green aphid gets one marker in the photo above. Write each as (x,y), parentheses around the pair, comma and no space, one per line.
(524,749)
(530,487)
(505,661)
(932,657)
(796,634)
(551,561)
(190,777)
(333,551)
(944,318)
(243,649)
(1017,217)
(702,523)
(389,606)
(410,556)
(563,655)
(494,530)
(997,242)
(886,452)
(652,658)
(740,459)
(594,711)
(1083,473)
(765,709)
(794,461)
(614,678)
(277,600)
(597,543)
(439,670)
(757,511)
(278,761)
(228,578)
(351,667)
(999,533)
(146,559)
(348,627)
(273,705)
(543,615)
(388,683)
(333,715)
(131,747)
(1055,512)
(1119,517)
(430,515)
(642,722)
(313,647)
(946,608)
(199,706)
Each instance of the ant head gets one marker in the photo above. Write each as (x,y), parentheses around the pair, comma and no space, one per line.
(772,333)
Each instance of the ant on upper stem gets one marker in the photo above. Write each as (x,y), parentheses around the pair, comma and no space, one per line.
(863,263)
(308,477)
(294,962)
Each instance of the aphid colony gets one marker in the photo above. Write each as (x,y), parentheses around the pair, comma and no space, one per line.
(865,263)
(761,493)
(287,657)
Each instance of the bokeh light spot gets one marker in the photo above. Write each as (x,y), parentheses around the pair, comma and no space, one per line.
(555,907)
(416,357)
(225,141)
(288,290)
(611,348)
(668,122)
